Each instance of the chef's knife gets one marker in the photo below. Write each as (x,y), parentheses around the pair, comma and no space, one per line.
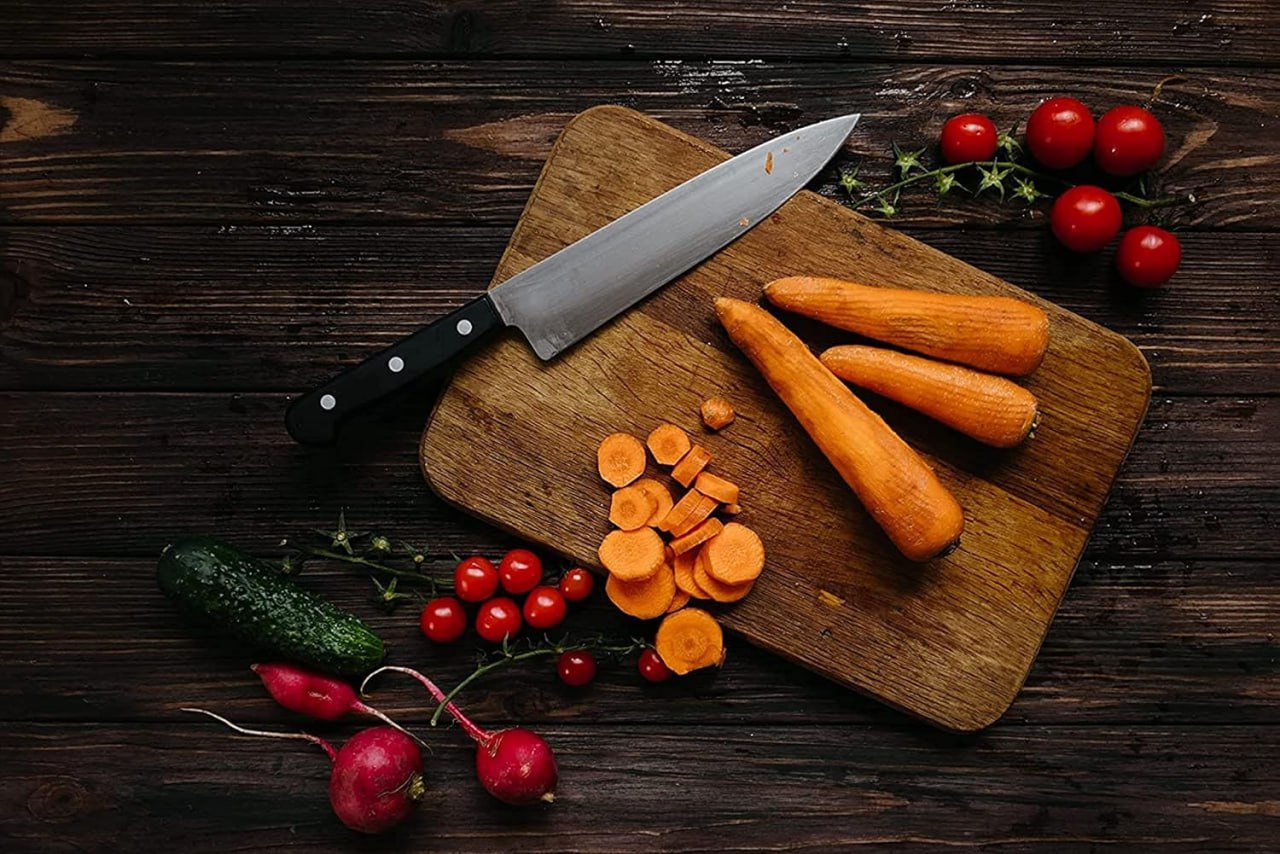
(565,297)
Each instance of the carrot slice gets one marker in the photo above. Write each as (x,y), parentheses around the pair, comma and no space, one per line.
(645,599)
(696,537)
(620,459)
(632,555)
(690,465)
(689,640)
(685,581)
(717,413)
(704,508)
(731,509)
(716,589)
(661,497)
(713,486)
(679,601)
(668,443)
(681,510)
(631,507)
(735,557)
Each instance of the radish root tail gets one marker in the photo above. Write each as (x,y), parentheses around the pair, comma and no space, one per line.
(292,736)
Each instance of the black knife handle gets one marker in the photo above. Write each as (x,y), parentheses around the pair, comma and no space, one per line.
(313,419)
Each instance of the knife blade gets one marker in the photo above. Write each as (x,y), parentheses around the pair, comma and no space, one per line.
(566,296)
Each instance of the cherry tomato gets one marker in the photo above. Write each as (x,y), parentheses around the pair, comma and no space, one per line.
(545,608)
(1085,218)
(652,667)
(443,620)
(576,668)
(521,570)
(1148,256)
(475,579)
(1060,132)
(498,618)
(968,137)
(1130,140)
(577,584)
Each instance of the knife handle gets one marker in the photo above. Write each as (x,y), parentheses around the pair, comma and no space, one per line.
(313,419)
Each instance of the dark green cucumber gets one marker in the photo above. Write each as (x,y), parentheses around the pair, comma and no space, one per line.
(254,602)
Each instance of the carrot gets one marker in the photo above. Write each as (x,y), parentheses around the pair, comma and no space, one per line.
(620,459)
(668,443)
(735,557)
(632,555)
(685,581)
(690,465)
(681,509)
(712,486)
(997,334)
(645,599)
(704,508)
(985,407)
(631,507)
(661,498)
(678,601)
(689,640)
(716,589)
(898,488)
(731,509)
(697,536)
(717,413)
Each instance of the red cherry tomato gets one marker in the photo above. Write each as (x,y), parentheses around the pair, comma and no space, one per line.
(498,618)
(1060,132)
(475,579)
(1148,256)
(521,570)
(1130,140)
(968,137)
(652,667)
(545,608)
(576,668)
(577,584)
(443,620)
(1085,218)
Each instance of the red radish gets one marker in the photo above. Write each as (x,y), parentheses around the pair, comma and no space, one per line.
(377,775)
(314,694)
(514,765)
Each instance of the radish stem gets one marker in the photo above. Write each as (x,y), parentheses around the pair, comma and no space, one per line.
(480,735)
(295,736)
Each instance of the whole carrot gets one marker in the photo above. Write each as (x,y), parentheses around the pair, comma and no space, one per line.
(997,334)
(988,408)
(897,487)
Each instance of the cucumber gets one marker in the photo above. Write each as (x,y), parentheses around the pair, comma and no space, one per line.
(222,587)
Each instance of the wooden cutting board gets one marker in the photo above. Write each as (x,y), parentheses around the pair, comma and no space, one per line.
(513,439)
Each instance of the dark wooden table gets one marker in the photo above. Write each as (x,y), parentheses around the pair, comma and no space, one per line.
(206,208)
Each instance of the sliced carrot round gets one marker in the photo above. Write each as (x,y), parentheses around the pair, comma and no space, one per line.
(645,599)
(661,497)
(717,413)
(681,599)
(620,459)
(632,555)
(714,486)
(685,581)
(689,640)
(735,556)
(697,536)
(631,507)
(668,443)
(717,590)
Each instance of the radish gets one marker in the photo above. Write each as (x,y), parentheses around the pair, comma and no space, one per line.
(316,695)
(514,765)
(377,775)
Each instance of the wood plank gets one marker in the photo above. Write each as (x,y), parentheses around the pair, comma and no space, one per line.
(120,474)
(762,788)
(282,307)
(1173,642)
(1112,31)
(457,142)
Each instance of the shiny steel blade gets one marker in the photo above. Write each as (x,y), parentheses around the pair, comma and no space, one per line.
(565,297)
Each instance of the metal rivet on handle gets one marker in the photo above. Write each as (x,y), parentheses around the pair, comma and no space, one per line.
(464,327)
(395,364)
(328,402)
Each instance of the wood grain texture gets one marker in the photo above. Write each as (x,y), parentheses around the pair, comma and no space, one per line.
(512,439)
(382,142)
(1243,31)
(284,307)
(1177,642)
(1139,789)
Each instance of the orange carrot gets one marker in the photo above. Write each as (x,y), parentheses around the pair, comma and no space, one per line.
(717,589)
(632,555)
(645,599)
(620,459)
(731,509)
(690,464)
(985,407)
(668,443)
(681,510)
(997,334)
(697,536)
(712,486)
(717,413)
(631,507)
(735,557)
(661,498)
(689,640)
(898,488)
(704,508)
(685,582)
(679,601)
